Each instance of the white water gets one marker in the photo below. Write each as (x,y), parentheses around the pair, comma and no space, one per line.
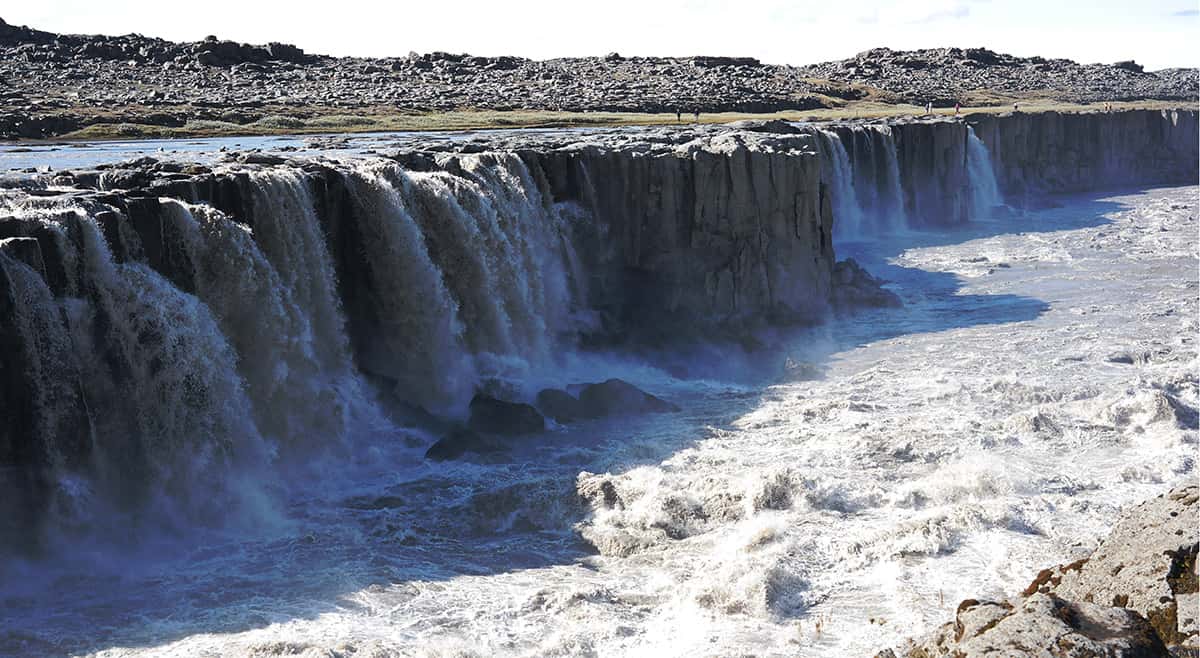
(879,198)
(847,213)
(1039,377)
(985,192)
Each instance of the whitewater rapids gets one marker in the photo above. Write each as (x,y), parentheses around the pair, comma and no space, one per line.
(1041,375)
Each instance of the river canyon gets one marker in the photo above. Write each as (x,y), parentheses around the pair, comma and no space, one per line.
(886,365)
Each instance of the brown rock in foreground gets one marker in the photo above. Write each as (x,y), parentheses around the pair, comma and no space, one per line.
(1136,595)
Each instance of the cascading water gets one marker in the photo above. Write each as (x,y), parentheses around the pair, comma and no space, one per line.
(445,283)
(985,192)
(240,354)
(875,174)
(893,207)
(847,213)
(183,345)
(469,274)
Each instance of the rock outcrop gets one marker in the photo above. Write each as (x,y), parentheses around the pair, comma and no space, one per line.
(504,418)
(58,83)
(1135,595)
(944,76)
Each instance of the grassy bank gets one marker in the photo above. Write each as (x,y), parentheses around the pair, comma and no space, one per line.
(383,121)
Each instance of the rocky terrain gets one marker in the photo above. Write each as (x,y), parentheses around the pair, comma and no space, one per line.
(1135,595)
(945,76)
(54,84)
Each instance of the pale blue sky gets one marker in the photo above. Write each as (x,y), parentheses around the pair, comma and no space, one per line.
(1157,33)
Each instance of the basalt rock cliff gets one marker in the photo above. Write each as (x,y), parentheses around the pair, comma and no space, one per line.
(166,325)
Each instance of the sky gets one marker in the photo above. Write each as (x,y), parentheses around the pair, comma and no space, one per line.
(1155,33)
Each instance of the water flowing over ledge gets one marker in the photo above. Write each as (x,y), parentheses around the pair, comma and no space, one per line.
(169,332)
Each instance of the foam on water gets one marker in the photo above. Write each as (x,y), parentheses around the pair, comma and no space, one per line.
(992,427)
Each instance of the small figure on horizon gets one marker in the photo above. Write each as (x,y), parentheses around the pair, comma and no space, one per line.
(1014,107)
(696,113)
(678,116)
(928,107)
(957,107)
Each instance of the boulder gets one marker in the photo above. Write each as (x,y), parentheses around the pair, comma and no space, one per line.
(854,287)
(619,397)
(1042,625)
(1137,594)
(492,416)
(459,442)
(776,126)
(560,405)
(1147,564)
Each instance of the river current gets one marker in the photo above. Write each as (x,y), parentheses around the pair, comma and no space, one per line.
(830,498)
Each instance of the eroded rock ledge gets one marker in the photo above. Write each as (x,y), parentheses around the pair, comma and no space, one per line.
(1136,595)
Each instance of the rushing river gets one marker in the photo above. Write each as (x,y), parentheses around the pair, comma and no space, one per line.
(830,498)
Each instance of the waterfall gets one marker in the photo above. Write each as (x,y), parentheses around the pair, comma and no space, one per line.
(472,280)
(985,192)
(172,343)
(892,195)
(161,386)
(847,213)
(301,384)
(874,174)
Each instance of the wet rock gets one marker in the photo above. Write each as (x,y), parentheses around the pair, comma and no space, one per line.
(560,405)
(461,441)
(618,397)
(492,416)
(25,250)
(854,287)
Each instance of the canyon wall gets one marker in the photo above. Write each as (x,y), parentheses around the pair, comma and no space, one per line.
(168,330)
(1052,152)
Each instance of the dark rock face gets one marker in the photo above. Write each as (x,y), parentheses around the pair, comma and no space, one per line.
(1136,595)
(560,405)
(740,217)
(492,416)
(932,159)
(1051,152)
(461,441)
(617,397)
(854,287)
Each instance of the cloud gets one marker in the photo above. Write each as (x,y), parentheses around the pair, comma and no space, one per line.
(952,13)
(1187,13)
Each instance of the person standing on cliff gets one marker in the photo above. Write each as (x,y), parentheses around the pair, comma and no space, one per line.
(678,116)
(696,113)
(928,107)
(956,109)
